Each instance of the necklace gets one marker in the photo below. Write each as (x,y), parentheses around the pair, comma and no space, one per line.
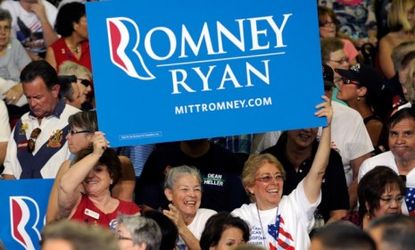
(262,228)
(74,49)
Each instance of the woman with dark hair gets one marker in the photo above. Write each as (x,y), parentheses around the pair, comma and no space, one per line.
(169,232)
(381,191)
(82,127)
(361,90)
(224,231)
(73,45)
(96,171)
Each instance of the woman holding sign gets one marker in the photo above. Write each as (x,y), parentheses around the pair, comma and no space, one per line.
(283,221)
(97,169)
(82,127)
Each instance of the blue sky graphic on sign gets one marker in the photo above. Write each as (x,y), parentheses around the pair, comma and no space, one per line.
(175,70)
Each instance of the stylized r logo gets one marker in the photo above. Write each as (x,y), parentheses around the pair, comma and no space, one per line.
(23,226)
(119,42)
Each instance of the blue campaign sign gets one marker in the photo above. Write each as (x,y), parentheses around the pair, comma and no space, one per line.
(23,209)
(168,70)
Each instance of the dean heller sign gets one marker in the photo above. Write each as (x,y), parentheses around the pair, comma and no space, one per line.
(176,70)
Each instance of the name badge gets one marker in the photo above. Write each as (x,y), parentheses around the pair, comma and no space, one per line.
(22,145)
(91,213)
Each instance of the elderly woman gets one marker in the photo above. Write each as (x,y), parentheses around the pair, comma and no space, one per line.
(283,221)
(223,232)
(13,58)
(73,45)
(183,189)
(82,127)
(381,191)
(97,170)
(138,233)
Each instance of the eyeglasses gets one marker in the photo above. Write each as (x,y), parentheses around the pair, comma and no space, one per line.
(31,143)
(327,23)
(341,60)
(123,238)
(73,132)
(120,237)
(85,82)
(348,81)
(388,200)
(270,178)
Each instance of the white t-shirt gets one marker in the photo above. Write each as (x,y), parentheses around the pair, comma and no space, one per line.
(51,127)
(349,136)
(31,22)
(296,219)
(198,225)
(4,123)
(387,159)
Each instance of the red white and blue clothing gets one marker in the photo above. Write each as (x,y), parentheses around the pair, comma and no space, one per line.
(51,147)
(388,159)
(284,227)
(26,26)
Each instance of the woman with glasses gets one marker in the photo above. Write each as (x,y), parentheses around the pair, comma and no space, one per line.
(81,79)
(138,233)
(83,125)
(13,58)
(183,189)
(278,221)
(332,54)
(328,28)
(381,191)
(84,192)
(361,89)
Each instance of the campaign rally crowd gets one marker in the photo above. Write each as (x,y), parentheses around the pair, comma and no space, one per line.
(347,185)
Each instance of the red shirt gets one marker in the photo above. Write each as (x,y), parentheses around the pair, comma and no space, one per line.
(63,53)
(87,212)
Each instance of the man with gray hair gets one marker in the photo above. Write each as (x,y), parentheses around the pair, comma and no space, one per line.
(138,233)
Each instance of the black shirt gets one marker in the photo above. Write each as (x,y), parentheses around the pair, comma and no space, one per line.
(334,187)
(222,188)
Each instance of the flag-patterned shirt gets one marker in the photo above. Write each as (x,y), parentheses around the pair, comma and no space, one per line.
(284,227)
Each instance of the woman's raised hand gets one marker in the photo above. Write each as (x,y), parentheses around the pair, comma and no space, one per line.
(325,109)
(100,143)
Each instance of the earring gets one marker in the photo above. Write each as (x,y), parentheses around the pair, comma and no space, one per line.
(358,98)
